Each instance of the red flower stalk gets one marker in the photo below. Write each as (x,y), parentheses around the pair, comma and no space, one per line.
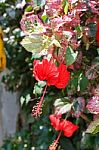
(97,34)
(63,76)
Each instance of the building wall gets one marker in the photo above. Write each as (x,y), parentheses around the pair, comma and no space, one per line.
(9,110)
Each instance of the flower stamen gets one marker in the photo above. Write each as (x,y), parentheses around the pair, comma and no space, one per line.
(53,146)
(37,110)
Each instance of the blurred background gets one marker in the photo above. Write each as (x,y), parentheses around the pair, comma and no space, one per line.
(18,129)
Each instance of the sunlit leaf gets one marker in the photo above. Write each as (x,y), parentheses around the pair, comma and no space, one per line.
(56,43)
(32,44)
(22,100)
(66,8)
(93,127)
(44,16)
(36,43)
(62,106)
(28,98)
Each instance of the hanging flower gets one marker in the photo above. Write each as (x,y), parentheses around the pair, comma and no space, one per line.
(68,128)
(63,77)
(45,70)
(55,122)
(57,76)
(63,125)
(97,34)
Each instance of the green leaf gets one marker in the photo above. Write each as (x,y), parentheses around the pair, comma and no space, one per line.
(22,100)
(41,2)
(41,83)
(44,16)
(87,142)
(28,98)
(56,43)
(70,56)
(37,89)
(36,43)
(83,83)
(66,8)
(29,8)
(62,106)
(32,44)
(93,127)
(66,144)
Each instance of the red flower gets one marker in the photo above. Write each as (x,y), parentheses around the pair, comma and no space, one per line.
(68,128)
(55,122)
(97,34)
(63,77)
(45,70)
(63,125)
(57,76)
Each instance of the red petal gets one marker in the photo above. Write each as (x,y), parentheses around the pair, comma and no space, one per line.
(45,70)
(38,70)
(63,77)
(68,128)
(55,122)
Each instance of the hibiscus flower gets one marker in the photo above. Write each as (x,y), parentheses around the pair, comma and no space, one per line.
(68,128)
(53,75)
(55,122)
(63,77)
(63,125)
(46,70)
